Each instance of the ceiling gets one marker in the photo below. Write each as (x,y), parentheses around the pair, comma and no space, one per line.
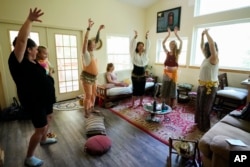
(140,3)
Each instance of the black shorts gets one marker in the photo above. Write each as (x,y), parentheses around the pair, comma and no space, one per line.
(138,85)
(39,114)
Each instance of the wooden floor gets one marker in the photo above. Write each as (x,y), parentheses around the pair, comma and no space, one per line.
(131,147)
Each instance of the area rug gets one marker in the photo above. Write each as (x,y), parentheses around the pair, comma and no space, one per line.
(177,124)
(72,104)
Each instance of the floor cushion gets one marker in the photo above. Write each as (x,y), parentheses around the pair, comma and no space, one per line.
(97,145)
(94,125)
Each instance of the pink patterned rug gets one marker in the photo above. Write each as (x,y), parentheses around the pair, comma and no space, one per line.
(177,124)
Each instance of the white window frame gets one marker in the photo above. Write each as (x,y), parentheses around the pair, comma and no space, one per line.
(161,55)
(67,62)
(117,50)
(13,34)
(230,49)
(204,7)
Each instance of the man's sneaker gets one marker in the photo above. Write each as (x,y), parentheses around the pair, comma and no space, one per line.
(33,162)
(48,141)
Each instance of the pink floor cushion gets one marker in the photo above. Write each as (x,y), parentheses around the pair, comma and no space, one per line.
(97,145)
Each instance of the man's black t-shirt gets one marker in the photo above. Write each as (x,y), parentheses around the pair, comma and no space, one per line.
(34,86)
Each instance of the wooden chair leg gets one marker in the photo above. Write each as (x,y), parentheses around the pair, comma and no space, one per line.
(199,156)
(170,153)
(194,156)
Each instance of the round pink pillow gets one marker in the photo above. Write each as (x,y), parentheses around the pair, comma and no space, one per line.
(97,145)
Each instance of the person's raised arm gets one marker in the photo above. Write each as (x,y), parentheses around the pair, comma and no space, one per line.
(164,41)
(202,41)
(98,33)
(21,40)
(146,36)
(147,45)
(86,37)
(214,54)
(179,39)
(133,43)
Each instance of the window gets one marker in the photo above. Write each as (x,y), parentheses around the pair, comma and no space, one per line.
(67,64)
(233,41)
(161,55)
(118,52)
(212,6)
(13,34)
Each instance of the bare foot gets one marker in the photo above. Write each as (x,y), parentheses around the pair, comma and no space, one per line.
(86,114)
(173,107)
(95,111)
(140,105)
(132,106)
(136,106)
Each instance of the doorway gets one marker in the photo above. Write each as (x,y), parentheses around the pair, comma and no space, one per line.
(64,54)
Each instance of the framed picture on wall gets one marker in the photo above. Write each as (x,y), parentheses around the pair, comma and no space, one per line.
(168,18)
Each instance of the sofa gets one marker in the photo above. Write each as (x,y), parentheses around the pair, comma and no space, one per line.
(108,92)
(214,147)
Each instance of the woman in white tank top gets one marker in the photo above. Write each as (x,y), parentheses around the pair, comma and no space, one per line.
(208,82)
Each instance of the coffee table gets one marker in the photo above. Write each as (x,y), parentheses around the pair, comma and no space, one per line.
(154,116)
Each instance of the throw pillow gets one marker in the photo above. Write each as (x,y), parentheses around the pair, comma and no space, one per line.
(97,145)
(94,125)
(127,81)
(245,114)
(109,85)
(242,114)
(185,86)
(236,113)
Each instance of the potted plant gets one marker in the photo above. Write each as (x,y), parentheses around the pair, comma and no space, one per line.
(148,70)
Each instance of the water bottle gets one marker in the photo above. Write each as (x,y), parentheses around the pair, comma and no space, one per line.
(162,107)
(154,106)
